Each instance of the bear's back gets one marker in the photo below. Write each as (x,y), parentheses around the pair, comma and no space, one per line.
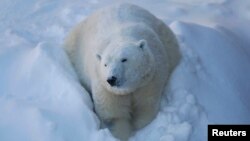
(110,19)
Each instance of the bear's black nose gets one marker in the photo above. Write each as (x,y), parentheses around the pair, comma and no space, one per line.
(112,81)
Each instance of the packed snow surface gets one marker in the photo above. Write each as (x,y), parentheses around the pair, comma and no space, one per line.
(41,98)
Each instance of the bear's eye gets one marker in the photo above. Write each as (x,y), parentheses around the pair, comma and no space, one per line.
(105,65)
(124,60)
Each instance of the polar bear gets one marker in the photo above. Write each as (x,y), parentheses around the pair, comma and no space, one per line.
(123,56)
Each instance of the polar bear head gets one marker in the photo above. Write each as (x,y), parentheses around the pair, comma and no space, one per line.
(124,67)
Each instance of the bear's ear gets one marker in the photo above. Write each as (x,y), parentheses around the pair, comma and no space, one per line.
(142,43)
(98,56)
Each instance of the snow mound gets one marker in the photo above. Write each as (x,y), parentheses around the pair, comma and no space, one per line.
(42,99)
(219,65)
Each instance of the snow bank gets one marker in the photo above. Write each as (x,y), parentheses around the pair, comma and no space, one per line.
(41,98)
(220,65)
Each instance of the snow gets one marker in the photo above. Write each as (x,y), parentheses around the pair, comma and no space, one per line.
(41,98)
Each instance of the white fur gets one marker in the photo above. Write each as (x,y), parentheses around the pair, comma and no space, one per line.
(106,37)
